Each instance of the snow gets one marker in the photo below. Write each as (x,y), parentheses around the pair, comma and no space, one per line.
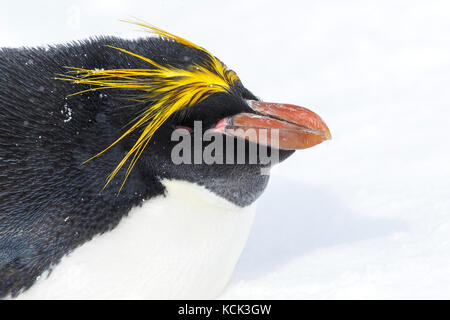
(67,112)
(366,215)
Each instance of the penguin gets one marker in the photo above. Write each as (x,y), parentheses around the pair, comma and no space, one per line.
(92,203)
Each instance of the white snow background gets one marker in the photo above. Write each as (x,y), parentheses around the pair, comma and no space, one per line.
(366,215)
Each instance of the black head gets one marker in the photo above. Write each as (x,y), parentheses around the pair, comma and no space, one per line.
(240,183)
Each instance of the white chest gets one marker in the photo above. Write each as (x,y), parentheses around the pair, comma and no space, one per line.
(184,246)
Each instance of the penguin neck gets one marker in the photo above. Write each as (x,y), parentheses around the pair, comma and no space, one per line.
(184,245)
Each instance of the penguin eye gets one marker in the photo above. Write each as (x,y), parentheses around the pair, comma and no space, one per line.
(189,129)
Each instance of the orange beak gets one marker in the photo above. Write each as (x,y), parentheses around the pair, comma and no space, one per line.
(284,126)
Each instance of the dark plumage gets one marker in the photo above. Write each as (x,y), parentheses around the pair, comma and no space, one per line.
(49,202)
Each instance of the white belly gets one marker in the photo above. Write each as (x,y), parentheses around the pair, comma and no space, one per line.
(182,246)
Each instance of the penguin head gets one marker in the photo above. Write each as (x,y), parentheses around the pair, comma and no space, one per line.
(189,117)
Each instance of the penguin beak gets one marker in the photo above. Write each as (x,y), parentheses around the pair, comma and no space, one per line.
(284,126)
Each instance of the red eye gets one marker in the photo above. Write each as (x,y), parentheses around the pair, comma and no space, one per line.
(184,127)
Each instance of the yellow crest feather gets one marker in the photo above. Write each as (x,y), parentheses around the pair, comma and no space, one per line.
(169,88)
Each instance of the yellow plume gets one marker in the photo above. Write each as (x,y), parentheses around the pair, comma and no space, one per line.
(167,90)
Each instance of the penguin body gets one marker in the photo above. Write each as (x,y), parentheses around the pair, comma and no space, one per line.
(160,230)
(51,203)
